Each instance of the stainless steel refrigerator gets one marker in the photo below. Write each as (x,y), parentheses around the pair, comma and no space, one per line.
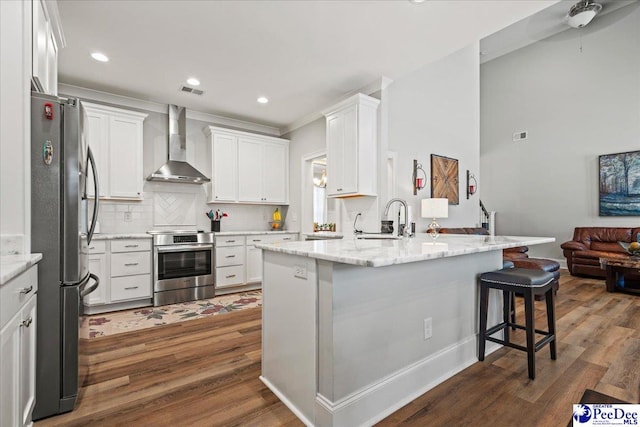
(61,230)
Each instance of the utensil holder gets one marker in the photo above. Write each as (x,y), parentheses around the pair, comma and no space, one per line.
(215,225)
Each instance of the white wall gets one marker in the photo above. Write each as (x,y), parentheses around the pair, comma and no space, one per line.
(15,128)
(434,110)
(578,96)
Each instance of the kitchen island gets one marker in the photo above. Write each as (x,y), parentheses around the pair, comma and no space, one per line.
(355,329)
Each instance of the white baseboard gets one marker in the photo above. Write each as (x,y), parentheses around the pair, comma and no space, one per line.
(286,401)
(397,390)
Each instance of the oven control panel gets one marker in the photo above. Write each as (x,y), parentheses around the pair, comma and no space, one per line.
(185,239)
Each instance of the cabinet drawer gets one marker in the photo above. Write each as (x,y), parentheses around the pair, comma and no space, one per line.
(130,287)
(229,276)
(130,245)
(230,255)
(98,247)
(15,293)
(270,238)
(126,263)
(229,241)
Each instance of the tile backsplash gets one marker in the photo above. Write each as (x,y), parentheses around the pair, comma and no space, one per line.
(11,244)
(179,206)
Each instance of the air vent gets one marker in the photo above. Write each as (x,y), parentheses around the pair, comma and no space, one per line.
(191,90)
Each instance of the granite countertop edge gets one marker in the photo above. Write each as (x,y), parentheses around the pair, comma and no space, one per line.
(11,266)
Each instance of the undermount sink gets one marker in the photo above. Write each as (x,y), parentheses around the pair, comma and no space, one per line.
(377,237)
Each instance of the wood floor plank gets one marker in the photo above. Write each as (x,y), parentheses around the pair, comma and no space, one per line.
(204,372)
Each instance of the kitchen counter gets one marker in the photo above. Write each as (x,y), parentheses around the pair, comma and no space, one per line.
(384,252)
(354,329)
(322,235)
(13,265)
(112,236)
(250,233)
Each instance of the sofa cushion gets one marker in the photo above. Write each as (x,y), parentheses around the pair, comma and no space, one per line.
(596,255)
(607,247)
(587,235)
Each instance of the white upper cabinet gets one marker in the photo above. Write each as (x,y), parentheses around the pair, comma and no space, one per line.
(352,141)
(115,136)
(248,168)
(47,39)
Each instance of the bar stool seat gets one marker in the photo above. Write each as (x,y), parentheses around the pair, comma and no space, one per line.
(528,283)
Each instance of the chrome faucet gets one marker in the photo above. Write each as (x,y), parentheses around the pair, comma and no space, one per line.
(405,232)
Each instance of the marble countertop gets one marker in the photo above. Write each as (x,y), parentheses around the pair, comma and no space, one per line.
(12,266)
(322,235)
(112,236)
(380,253)
(249,233)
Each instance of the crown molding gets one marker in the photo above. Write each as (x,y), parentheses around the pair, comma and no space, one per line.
(373,87)
(125,101)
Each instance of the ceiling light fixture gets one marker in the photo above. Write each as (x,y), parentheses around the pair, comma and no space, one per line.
(416,1)
(582,13)
(263,100)
(193,81)
(101,57)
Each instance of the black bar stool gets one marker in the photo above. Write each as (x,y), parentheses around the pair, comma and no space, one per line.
(527,283)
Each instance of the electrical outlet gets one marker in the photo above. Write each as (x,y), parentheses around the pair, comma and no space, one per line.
(127,217)
(300,271)
(428,332)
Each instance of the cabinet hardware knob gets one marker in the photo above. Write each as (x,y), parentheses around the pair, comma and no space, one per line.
(128,288)
(26,323)
(257,240)
(287,238)
(229,241)
(26,290)
(230,276)
(230,256)
(92,247)
(129,264)
(130,246)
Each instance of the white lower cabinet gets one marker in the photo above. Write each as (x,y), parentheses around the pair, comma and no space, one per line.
(18,349)
(125,272)
(239,262)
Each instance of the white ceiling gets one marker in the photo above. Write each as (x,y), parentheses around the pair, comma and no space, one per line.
(302,55)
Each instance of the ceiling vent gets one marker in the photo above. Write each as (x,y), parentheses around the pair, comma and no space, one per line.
(191,90)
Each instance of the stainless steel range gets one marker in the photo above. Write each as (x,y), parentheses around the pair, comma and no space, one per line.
(183,266)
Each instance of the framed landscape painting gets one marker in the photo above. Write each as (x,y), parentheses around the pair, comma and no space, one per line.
(620,184)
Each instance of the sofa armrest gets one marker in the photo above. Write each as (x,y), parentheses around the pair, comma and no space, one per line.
(574,246)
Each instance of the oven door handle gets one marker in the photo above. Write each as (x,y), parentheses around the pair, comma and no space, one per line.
(182,248)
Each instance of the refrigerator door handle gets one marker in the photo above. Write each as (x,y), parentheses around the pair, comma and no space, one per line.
(96,193)
(86,291)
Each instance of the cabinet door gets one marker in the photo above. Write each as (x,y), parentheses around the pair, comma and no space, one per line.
(335,144)
(10,372)
(275,173)
(254,264)
(225,168)
(52,63)
(125,152)
(41,33)
(97,134)
(28,361)
(250,176)
(97,265)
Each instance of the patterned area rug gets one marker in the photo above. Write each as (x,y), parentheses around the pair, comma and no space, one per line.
(140,318)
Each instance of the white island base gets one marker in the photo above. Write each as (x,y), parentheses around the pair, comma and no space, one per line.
(346,345)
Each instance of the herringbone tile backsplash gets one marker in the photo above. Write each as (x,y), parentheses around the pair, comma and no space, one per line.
(176,209)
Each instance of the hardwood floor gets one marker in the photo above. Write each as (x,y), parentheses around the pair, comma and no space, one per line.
(205,373)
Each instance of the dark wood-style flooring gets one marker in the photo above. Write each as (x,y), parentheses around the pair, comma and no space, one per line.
(205,373)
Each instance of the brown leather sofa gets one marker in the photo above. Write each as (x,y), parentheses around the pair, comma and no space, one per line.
(589,244)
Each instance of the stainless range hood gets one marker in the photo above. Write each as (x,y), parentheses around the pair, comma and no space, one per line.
(177,169)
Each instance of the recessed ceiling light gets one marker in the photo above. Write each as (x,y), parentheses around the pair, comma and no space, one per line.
(100,57)
(263,100)
(416,1)
(193,81)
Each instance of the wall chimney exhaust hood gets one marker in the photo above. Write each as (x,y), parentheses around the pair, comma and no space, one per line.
(177,169)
